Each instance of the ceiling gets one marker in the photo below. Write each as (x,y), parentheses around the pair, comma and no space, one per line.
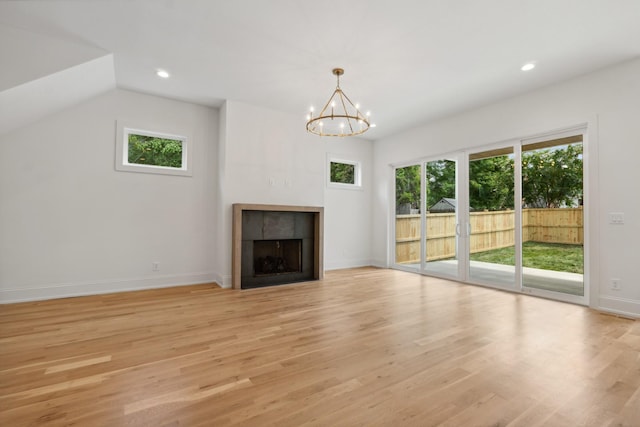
(407,61)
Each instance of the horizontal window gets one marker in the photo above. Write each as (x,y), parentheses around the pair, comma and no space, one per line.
(344,173)
(148,151)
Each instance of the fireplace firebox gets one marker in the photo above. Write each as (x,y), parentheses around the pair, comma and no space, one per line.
(274,245)
(273,257)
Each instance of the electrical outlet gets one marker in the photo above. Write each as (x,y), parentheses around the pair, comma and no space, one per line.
(615,284)
(155,266)
(616,217)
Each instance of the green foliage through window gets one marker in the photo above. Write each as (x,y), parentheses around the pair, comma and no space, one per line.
(551,178)
(441,181)
(408,188)
(154,151)
(491,183)
(343,173)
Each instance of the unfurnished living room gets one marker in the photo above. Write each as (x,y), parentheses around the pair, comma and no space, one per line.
(338,213)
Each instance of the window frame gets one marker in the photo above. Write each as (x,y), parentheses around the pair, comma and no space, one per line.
(122,150)
(357,173)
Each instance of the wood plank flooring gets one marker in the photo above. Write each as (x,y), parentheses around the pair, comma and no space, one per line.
(363,347)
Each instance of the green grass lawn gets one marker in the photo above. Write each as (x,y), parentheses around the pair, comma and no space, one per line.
(547,256)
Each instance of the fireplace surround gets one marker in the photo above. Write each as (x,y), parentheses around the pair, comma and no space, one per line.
(276,244)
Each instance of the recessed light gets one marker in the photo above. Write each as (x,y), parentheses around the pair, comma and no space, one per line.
(529,66)
(162,73)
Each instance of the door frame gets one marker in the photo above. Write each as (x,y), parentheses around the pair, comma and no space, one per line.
(458,156)
(583,130)
(588,129)
(517,195)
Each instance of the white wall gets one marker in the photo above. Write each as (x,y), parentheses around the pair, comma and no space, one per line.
(609,100)
(267,157)
(348,213)
(71,225)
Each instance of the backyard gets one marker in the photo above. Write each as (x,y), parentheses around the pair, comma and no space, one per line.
(546,256)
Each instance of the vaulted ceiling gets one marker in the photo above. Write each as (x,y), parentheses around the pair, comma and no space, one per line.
(408,61)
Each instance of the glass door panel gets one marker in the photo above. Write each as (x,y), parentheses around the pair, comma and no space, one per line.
(408,221)
(552,216)
(441,206)
(510,217)
(491,222)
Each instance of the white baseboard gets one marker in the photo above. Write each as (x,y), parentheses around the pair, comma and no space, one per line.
(66,290)
(621,306)
(379,263)
(342,264)
(224,281)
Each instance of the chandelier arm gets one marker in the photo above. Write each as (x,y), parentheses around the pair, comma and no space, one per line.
(358,113)
(344,108)
(328,102)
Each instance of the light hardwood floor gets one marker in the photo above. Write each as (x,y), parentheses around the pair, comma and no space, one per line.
(363,347)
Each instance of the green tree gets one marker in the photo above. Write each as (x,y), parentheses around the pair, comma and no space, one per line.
(149,150)
(343,173)
(491,183)
(408,186)
(441,181)
(552,178)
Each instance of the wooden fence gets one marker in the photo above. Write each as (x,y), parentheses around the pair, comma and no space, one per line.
(489,230)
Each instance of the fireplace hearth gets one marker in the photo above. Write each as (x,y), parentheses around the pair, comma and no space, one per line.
(274,245)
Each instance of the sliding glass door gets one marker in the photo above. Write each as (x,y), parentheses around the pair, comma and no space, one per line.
(427,225)
(491,218)
(509,217)
(552,216)
(442,224)
(408,218)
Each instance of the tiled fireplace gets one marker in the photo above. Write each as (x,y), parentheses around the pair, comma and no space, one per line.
(275,244)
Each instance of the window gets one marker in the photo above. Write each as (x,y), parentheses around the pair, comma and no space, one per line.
(139,150)
(344,173)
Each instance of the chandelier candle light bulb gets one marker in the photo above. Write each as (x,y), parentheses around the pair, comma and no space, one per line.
(342,117)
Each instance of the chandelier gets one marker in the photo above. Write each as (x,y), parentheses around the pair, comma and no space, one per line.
(339,117)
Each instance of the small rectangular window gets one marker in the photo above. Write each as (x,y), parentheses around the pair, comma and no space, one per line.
(154,151)
(344,174)
(139,150)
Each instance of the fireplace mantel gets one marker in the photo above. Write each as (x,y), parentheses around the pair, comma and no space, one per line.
(237,240)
